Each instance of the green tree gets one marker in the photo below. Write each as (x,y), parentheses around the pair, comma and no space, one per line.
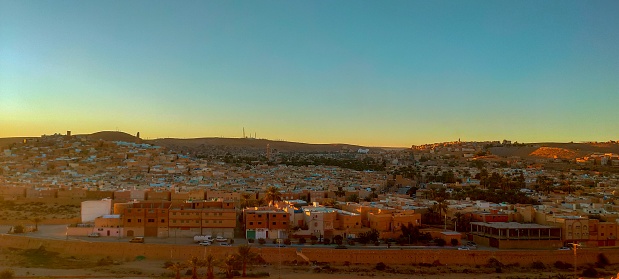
(245,256)
(228,265)
(194,263)
(272,195)
(177,267)
(210,262)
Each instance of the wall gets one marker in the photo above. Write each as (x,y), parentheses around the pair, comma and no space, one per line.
(125,250)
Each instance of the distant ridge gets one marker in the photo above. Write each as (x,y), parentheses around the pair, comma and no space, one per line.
(555,150)
(112,136)
(250,144)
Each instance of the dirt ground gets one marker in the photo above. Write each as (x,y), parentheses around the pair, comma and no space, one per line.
(43,264)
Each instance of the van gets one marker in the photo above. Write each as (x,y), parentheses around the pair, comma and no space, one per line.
(138,239)
(200,238)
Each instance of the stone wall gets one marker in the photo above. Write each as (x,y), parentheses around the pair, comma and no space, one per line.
(128,251)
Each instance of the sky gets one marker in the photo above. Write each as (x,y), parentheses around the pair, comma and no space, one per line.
(374,73)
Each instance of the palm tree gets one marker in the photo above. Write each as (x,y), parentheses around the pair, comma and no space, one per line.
(245,255)
(245,200)
(210,262)
(36,221)
(228,265)
(177,267)
(272,195)
(194,263)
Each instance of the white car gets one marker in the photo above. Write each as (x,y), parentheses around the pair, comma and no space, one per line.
(464,248)
(564,248)
(205,243)
(225,244)
(221,239)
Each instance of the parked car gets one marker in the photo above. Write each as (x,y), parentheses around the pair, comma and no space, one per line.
(221,239)
(565,248)
(138,239)
(206,243)
(341,247)
(280,245)
(94,234)
(464,248)
(471,244)
(199,238)
(225,244)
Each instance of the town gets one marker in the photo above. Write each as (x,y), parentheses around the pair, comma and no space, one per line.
(453,194)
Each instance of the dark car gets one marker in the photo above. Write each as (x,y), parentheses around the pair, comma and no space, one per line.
(341,247)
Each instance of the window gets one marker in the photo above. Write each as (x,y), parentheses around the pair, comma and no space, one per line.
(274,215)
(251,223)
(274,223)
(284,223)
(162,220)
(128,220)
(139,220)
(259,223)
(151,220)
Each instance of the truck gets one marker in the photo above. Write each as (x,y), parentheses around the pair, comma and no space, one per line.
(200,238)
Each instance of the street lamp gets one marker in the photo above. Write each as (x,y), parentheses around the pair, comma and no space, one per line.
(575,247)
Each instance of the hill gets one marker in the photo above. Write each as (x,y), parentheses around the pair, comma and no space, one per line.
(112,136)
(555,150)
(251,145)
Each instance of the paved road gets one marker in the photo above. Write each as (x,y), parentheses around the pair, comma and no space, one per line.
(59,232)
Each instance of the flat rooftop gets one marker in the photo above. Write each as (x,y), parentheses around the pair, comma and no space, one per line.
(511,225)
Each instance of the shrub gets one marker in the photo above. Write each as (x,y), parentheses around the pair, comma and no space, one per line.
(590,272)
(7,273)
(19,229)
(326,241)
(261,241)
(538,265)
(302,240)
(602,260)
(440,242)
(454,242)
(381,266)
(493,262)
(287,241)
(562,265)
(251,240)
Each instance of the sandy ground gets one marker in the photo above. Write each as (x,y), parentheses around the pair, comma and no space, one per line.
(154,269)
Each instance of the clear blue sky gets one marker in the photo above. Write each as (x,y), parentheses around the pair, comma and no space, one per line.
(390,73)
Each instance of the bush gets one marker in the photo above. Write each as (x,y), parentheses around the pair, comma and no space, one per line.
(493,262)
(440,242)
(602,260)
(590,272)
(454,242)
(251,240)
(326,241)
(302,240)
(19,229)
(538,265)
(381,266)
(287,241)
(562,265)
(258,274)
(261,241)
(7,274)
